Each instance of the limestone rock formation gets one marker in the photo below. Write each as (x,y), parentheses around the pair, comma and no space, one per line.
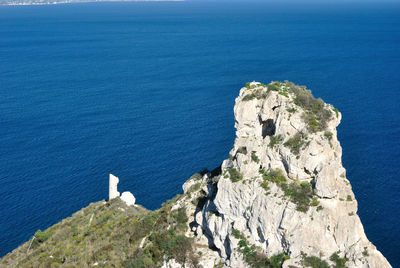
(128,198)
(281,199)
(283,189)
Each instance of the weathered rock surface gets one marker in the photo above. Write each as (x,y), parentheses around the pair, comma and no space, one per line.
(113,187)
(269,218)
(128,198)
(281,199)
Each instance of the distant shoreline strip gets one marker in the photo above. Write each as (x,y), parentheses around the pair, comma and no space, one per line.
(78,2)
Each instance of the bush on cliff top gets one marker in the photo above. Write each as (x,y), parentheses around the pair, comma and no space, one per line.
(317,113)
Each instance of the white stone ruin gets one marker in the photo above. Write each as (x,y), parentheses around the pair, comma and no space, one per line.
(113,187)
(127,197)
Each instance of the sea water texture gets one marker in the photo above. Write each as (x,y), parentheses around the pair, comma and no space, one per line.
(146,91)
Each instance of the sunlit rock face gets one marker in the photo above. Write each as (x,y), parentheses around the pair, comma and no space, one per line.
(113,187)
(281,199)
(128,198)
(279,129)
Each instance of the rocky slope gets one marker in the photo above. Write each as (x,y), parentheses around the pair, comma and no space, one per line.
(282,199)
(284,187)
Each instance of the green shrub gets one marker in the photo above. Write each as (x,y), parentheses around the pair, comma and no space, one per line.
(311,105)
(314,202)
(167,237)
(180,215)
(365,252)
(283,93)
(328,135)
(276,261)
(139,262)
(311,121)
(249,97)
(42,236)
(235,175)
(142,227)
(257,259)
(349,198)
(273,175)
(336,112)
(273,87)
(259,93)
(339,262)
(265,186)
(274,140)
(254,157)
(170,244)
(291,110)
(296,143)
(237,234)
(313,261)
(300,194)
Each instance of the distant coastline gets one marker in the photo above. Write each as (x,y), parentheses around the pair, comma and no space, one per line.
(54,2)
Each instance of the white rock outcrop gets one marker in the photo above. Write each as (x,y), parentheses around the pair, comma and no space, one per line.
(113,187)
(128,198)
(272,132)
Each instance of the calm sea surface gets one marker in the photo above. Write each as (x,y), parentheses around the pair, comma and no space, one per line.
(146,91)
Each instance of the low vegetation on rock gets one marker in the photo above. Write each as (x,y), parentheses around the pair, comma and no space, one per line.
(254,258)
(109,233)
(297,143)
(234,175)
(254,157)
(271,206)
(316,262)
(301,194)
(274,140)
(316,113)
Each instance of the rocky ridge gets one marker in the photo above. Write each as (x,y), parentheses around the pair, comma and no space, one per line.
(284,187)
(281,199)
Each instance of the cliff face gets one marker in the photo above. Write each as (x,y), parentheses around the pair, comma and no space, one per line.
(284,187)
(282,199)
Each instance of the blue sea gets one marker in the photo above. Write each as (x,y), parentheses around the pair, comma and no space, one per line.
(146,91)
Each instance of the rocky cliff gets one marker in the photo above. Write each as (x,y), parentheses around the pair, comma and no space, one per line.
(282,199)
(284,188)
